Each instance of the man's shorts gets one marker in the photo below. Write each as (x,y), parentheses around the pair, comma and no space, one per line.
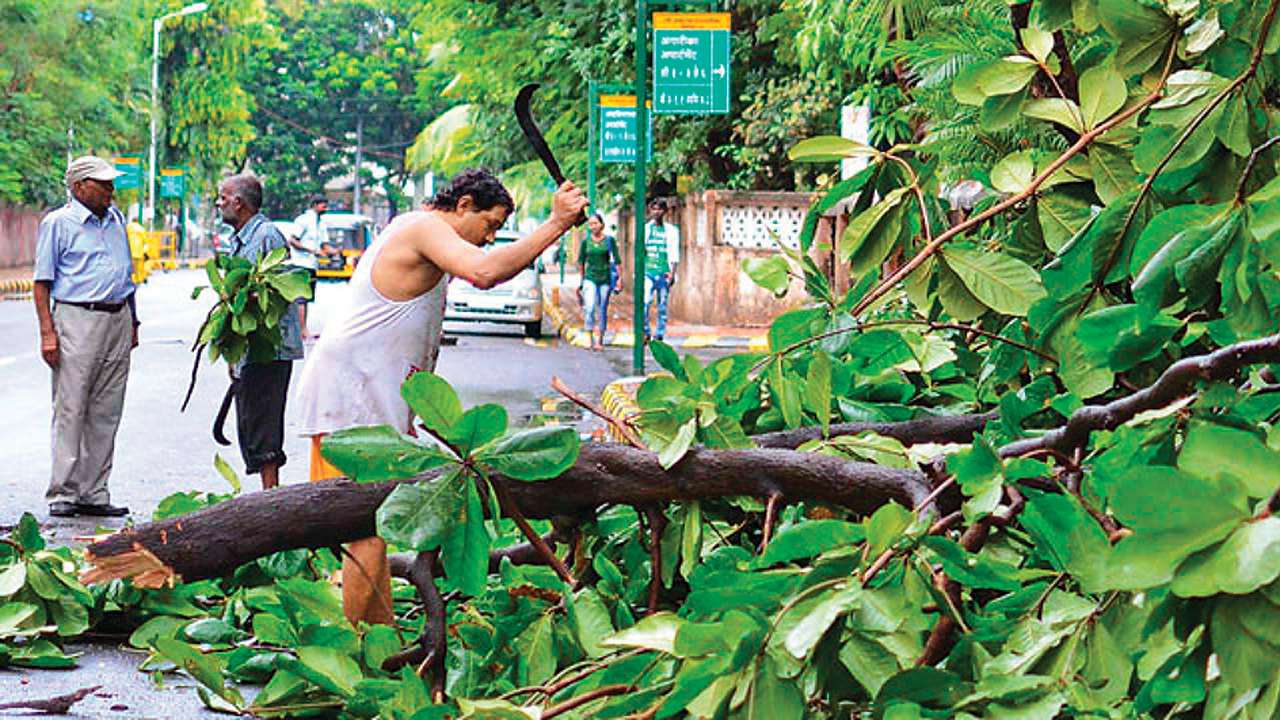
(260,398)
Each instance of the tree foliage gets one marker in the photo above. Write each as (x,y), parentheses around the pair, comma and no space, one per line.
(1105,545)
(72,80)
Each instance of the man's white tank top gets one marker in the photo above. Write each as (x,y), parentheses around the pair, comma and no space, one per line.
(353,374)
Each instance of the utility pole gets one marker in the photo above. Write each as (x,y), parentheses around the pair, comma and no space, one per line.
(355,203)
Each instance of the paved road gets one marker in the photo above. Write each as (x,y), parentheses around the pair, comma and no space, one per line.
(161,451)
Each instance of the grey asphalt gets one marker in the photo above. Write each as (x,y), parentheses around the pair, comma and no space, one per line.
(160,450)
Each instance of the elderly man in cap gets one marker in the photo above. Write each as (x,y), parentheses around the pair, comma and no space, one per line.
(84,298)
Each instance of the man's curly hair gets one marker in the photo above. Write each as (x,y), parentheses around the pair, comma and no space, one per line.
(485,190)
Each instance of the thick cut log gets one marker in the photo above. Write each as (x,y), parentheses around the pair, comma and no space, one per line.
(932,429)
(214,541)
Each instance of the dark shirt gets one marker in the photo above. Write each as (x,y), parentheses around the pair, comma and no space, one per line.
(597,259)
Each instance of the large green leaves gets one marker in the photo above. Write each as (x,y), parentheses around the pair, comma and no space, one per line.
(535,454)
(377,453)
(1142,31)
(871,235)
(1002,283)
(421,516)
(433,400)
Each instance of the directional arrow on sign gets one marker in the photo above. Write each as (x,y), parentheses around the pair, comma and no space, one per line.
(719,70)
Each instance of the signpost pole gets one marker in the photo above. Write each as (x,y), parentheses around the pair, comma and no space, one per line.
(593,116)
(642,142)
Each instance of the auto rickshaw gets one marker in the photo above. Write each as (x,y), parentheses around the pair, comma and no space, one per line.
(348,236)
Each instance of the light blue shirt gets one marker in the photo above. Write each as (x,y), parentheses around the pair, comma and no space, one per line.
(258,237)
(85,258)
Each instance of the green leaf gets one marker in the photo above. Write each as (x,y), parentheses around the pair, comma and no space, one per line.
(654,632)
(13,578)
(1005,76)
(376,453)
(769,273)
(1142,31)
(1213,451)
(13,615)
(205,669)
(535,454)
(792,327)
(785,395)
(1038,42)
(1123,336)
(667,358)
(536,652)
(1247,661)
(477,427)
(1071,536)
(292,285)
(773,697)
(1233,128)
(591,623)
(433,400)
(1001,282)
(421,516)
(885,527)
(466,550)
(829,148)
(973,571)
(868,229)
(671,453)
(1058,110)
(810,628)
(1113,173)
(227,472)
(1014,173)
(1062,215)
(1102,94)
(333,670)
(1168,526)
(27,534)
(1244,562)
(817,389)
(808,539)
(691,538)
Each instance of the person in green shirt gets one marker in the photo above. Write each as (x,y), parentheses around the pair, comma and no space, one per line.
(662,253)
(598,263)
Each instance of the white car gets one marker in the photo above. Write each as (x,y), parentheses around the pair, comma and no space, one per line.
(518,300)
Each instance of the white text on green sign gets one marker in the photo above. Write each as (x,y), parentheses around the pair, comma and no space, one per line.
(691,63)
(618,129)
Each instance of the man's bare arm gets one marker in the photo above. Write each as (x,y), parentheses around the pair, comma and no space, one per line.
(40,292)
(484,270)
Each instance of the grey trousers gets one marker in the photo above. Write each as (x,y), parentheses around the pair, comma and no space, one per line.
(88,397)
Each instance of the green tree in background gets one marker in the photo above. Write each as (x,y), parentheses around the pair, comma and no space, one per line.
(72,80)
(337,64)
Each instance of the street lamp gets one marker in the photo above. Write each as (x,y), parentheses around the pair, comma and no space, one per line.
(155,110)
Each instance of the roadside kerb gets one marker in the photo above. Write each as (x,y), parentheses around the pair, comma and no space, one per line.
(576,336)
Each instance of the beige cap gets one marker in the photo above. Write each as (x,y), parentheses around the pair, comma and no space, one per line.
(91,167)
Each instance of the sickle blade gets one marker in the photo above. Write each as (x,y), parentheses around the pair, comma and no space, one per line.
(524,115)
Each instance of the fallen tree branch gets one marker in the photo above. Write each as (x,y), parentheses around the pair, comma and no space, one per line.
(1175,383)
(929,429)
(216,540)
(429,650)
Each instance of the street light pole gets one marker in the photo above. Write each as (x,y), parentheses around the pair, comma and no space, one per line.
(155,104)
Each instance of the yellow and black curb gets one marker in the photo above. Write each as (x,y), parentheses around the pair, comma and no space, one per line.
(20,286)
(578,337)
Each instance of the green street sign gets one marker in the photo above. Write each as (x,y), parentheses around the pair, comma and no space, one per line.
(691,63)
(173,183)
(131,167)
(618,129)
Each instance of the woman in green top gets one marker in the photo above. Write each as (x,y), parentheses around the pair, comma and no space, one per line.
(598,263)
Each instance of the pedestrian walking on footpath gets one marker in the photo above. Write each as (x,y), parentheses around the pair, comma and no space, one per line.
(661,253)
(260,387)
(84,297)
(598,264)
(390,326)
(304,250)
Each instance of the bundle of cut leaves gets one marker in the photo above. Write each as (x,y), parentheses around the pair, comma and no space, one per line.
(252,300)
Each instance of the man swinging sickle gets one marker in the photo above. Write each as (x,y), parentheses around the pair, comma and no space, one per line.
(390,328)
